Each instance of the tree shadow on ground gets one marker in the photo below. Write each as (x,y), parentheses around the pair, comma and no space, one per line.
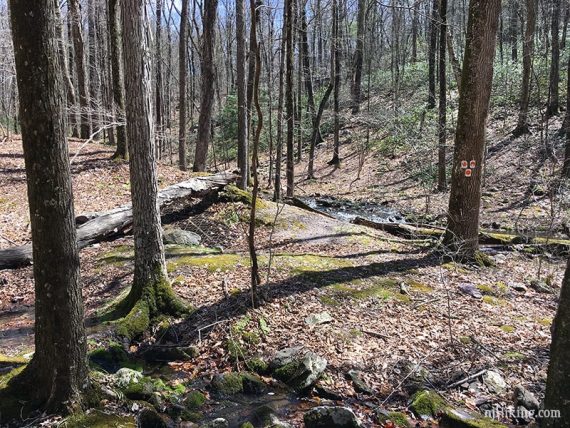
(195,326)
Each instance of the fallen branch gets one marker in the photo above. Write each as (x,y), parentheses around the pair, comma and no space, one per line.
(115,222)
(467,379)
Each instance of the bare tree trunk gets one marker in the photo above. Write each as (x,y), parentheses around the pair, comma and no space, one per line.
(432,53)
(243,150)
(553,97)
(453,59)
(528,48)
(465,199)
(279,148)
(117,75)
(442,134)
(359,56)
(158,89)
(289,10)
(50,381)
(415,24)
(566,127)
(151,293)
(336,92)
(80,68)
(255,279)
(208,76)
(182,78)
(513,26)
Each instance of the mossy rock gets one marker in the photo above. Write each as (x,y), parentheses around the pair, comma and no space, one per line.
(454,418)
(194,400)
(498,289)
(253,384)
(98,419)
(111,358)
(233,193)
(257,365)
(427,404)
(227,384)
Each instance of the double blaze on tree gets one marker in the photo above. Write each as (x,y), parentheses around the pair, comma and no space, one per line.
(465,198)
(208,76)
(57,375)
(151,293)
(558,383)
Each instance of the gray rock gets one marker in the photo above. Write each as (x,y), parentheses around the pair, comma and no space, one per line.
(359,384)
(181,237)
(217,423)
(494,382)
(414,378)
(330,417)
(297,367)
(320,318)
(523,397)
(458,418)
(540,286)
(470,290)
(519,287)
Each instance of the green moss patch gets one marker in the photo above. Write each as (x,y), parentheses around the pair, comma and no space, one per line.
(212,262)
(508,328)
(381,288)
(495,301)
(427,403)
(228,384)
(399,419)
(498,289)
(98,419)
(419,287)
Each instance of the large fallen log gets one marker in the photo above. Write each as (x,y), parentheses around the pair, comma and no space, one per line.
(98,227)
(499,240)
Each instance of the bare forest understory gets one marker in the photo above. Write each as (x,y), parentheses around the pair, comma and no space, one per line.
(387,313)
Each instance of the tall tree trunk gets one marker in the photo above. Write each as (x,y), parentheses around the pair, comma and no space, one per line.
(528,48)
(432,53)
(255,278)
(336,92)
(566,128)
(415,25)
(80,68)
(359,57)
(182,77)
(93,67)
(69,89)
(513,29)
(453,59)
(208,76)
(158,89)
(151,293)
(57,375)
(117,75)
(465,198)
(557,394)
(279,148)
(289,10)
(243,150)
(442,134)
(553,97)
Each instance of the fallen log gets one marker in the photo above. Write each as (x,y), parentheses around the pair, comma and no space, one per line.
(505,241)
(98,227)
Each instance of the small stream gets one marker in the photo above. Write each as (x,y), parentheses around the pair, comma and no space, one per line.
(346,210)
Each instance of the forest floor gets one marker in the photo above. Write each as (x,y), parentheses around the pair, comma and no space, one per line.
(393,303)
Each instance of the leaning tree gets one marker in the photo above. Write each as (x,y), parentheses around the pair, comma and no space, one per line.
(56,377)
(465,199)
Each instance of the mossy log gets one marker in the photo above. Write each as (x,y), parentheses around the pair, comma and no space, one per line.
(504,241)
(98,227)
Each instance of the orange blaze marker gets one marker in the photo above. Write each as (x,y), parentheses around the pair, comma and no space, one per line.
(472,164)
(468,173)
(463,164)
